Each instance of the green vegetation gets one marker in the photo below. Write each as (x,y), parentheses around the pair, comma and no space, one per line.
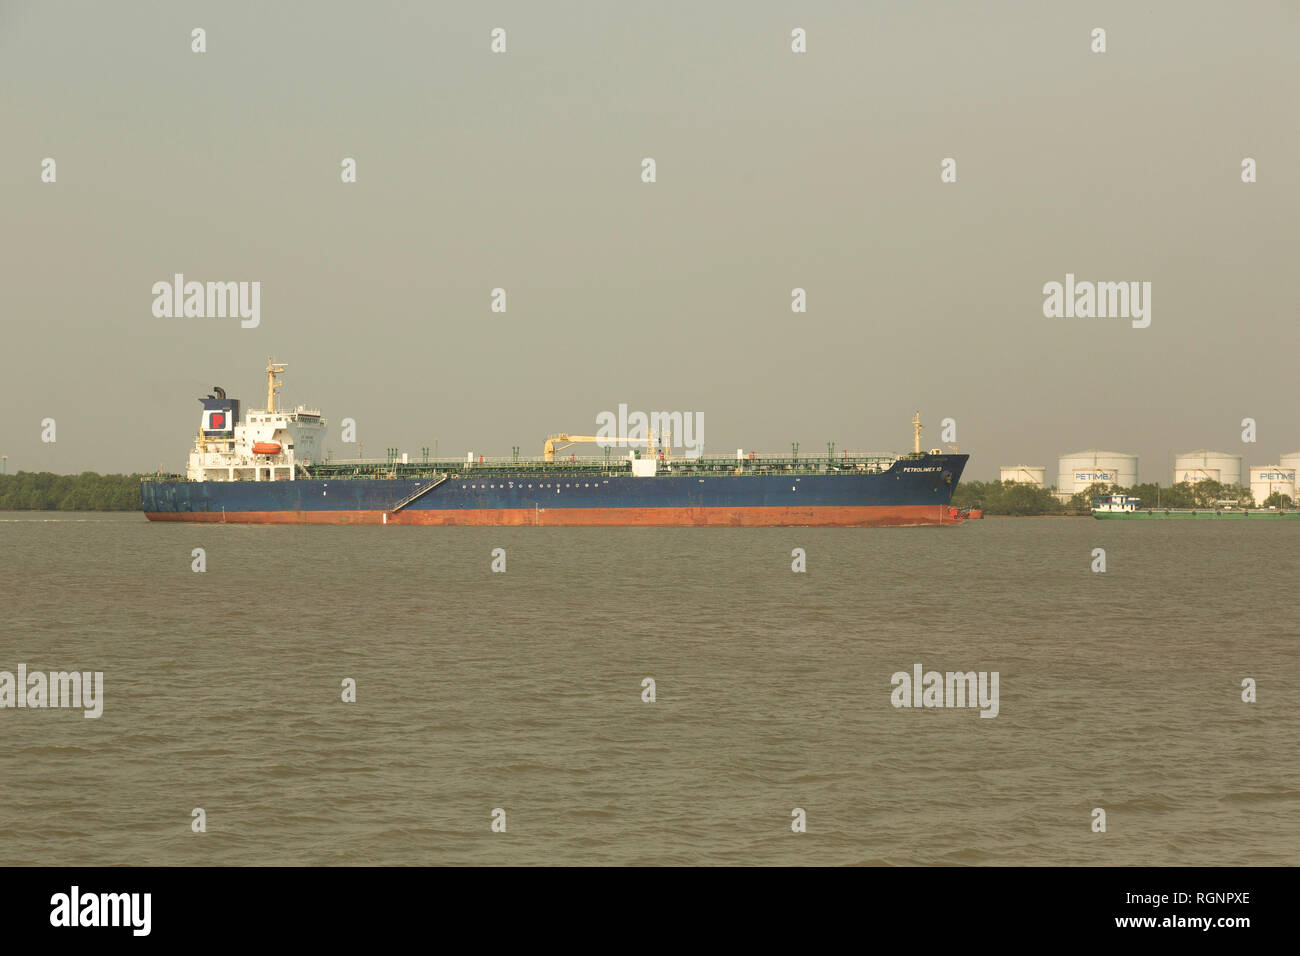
(1009,498)
(1006,498)
(88,491)
(1278,500)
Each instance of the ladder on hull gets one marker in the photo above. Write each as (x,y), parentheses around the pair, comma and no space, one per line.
(418,493)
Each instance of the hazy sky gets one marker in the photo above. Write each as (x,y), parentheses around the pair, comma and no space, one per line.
(775,170)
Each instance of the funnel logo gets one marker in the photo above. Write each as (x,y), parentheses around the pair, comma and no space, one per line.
(217,420)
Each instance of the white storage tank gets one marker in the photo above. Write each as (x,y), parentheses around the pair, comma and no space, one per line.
(1291,462)
(1084,468)
(1035,475)
(1266,479)
(1202,465)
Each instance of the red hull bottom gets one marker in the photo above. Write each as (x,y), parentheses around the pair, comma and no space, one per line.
(848,517)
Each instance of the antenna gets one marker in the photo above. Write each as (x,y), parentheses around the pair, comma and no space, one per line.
(272,386)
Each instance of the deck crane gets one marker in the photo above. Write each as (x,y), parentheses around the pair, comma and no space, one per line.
(549,449)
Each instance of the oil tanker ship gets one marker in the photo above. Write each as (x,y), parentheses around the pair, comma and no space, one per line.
(268,468)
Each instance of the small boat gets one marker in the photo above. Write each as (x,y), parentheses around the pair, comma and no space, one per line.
(975,513)
(266,448)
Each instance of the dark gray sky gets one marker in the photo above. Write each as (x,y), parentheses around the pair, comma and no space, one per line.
(775,170)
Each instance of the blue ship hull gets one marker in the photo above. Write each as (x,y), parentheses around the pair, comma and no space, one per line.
(913,491)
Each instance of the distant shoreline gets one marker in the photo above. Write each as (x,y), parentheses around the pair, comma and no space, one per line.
(88,491)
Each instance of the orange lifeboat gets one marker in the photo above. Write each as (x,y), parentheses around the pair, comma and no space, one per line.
(266,448)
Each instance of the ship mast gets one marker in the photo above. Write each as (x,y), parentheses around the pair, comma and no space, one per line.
(916,438)
(272,386)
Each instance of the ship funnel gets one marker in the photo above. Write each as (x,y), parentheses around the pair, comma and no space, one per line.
(220,414)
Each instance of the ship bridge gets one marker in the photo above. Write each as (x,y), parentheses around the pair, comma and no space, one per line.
(270,444)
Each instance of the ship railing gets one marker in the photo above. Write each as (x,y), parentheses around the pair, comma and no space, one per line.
(677,458)
(757,464)
(852,463)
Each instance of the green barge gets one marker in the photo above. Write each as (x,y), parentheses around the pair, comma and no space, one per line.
(1127,508)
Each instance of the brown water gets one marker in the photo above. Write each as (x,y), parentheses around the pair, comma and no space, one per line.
(522,691)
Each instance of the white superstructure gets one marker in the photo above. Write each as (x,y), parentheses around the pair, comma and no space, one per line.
(270,444)
(1110,504)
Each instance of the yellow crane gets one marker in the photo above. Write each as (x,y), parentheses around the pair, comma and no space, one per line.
(549,449)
